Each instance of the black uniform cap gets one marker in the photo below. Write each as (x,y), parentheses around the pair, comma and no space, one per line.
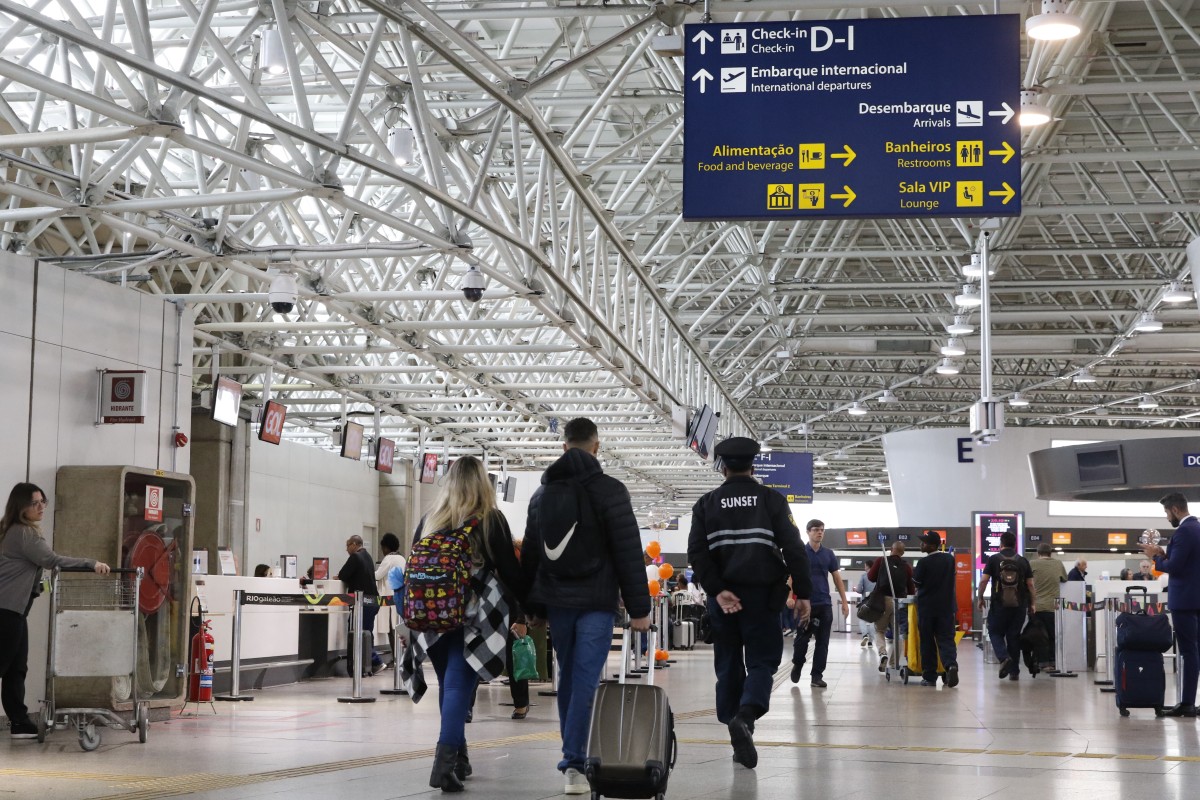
(736,453)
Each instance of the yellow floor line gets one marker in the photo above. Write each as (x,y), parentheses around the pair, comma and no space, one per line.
(79,776)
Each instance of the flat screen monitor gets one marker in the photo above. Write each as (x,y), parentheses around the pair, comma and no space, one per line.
(429,468)
(352,441)
(702,431)
(227,401)
(1101,466)
(270,427)
(385,452)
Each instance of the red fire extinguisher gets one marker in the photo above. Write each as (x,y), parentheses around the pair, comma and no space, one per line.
(200,683)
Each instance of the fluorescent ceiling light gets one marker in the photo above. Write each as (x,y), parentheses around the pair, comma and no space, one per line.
(1054,24)
(960,326)
(819,461)
(1085,376)
(783,353)
(1018,400)
(1175,293)
(856,409)
(840,455)
(841,476)
(954,347)
(1147,401)
(1148,323)
(1033,112)
(948,367)
(887,396)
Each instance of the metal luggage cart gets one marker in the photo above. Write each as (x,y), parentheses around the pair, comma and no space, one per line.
(93,634)
(898,662)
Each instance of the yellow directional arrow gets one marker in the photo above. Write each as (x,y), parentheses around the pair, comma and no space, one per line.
(1007,152)
(1007,194)
(848,155)
(848,196)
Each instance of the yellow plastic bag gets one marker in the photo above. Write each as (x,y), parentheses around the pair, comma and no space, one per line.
(913,647)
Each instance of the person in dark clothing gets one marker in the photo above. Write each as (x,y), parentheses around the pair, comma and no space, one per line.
(822,565)
(937,607)
(743,545)
(358,574)
(582,552)
(1006,618)
(1181,561)
(1079,571)
(904,587)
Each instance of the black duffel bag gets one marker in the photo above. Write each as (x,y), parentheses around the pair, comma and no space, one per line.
(1145,632)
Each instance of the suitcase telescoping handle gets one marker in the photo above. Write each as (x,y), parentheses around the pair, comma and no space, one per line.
(626,643)
(1132,589)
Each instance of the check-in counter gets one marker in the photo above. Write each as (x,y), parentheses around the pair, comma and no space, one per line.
(279,644)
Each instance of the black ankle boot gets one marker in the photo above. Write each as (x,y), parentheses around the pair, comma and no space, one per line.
(442,777)
(462,765)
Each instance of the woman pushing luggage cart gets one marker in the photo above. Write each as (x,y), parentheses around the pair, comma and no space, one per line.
(93,634)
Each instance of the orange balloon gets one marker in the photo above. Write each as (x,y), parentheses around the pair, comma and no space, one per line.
(661,655)
(654,550)
(653,587)
(665,571)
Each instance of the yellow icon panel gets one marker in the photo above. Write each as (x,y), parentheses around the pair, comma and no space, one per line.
(810,195)
(968,153)
(811,156)
(779,197)
(968,194)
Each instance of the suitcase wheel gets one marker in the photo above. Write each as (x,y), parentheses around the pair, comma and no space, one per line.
(1158,711)
(1124,711)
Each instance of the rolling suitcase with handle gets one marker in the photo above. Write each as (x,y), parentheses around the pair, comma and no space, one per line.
(631,745)
(683,635)
(1140,681)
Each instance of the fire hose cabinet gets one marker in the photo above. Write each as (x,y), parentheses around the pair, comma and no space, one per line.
(134,517)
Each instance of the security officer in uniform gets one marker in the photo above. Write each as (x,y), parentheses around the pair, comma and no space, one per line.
(742,546)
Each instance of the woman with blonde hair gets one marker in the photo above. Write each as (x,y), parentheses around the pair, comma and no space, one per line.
(463,656)
(23,556)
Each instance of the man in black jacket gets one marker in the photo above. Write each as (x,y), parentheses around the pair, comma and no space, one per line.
(582,552)
(358,574)
(743,545)
(937,607)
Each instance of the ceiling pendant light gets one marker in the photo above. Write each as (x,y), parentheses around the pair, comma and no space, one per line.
(840,455)
(1175,293)
(820,461)
(1033,111)
(1018,400)
(856,409)
(1054,24)
(1147,401)
(1085,376)
(887,396)
(970,297)
(873,492)
(954,347)
(948,367)
(1147,323)
(273,60)
(960,326)
(974,268)
(400,145)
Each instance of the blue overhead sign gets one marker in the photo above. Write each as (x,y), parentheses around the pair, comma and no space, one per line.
(905,117)
(790,474)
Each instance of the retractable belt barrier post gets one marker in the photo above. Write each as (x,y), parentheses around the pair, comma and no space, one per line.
(356,642)
(243,598)
(398,645)
(1110,646)
(1060,647)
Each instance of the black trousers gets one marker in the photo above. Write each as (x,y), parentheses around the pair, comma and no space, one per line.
(1046,656)
(936,630)
(820,625)
(518,689)
(747,649)
(14,664)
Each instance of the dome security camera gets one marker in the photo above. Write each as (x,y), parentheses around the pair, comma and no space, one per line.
(473,285)
(282,294)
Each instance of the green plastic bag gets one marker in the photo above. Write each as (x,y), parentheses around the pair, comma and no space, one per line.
(524,659)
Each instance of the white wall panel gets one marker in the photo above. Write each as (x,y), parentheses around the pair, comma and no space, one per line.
(16,289)
(101,319)
(14,405)
(51,295)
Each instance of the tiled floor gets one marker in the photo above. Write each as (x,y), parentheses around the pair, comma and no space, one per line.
(862,738)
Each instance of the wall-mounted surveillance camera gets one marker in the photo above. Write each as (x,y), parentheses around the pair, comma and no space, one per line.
(473,285)
(282,294)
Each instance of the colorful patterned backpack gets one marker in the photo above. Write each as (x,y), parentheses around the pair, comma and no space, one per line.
(437,580)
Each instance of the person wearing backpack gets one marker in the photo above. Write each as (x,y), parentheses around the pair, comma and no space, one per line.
(1013,601)
(390,567)
(1181,561)
(582,552)
(898,583)
(462,586)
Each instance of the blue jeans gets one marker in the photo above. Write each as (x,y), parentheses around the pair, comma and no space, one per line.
(582,639)
(456,687)
(1004,628)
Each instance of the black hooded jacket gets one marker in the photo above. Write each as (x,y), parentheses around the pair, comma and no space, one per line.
(622,571)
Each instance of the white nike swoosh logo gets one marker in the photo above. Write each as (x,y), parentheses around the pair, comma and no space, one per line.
(554,553)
